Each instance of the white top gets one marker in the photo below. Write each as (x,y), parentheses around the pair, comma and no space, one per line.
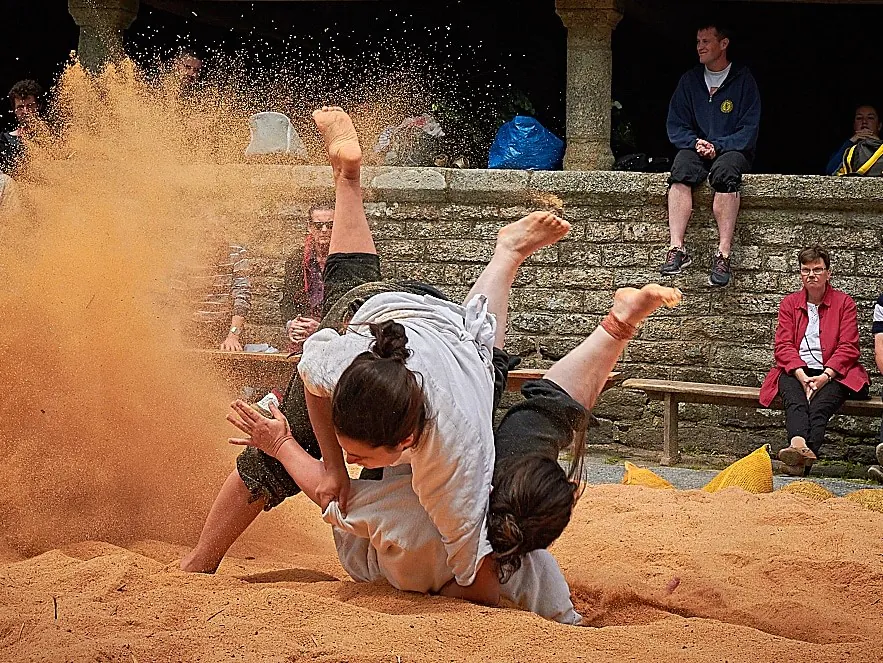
(878,315)
(811,345)
(387,535)
(454,459)
(714,79)
(9,200)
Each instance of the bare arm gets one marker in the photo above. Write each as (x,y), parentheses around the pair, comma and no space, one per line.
(336,484)
(231,342)
(484,590)
(273,437)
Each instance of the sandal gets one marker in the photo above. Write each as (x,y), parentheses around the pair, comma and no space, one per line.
(797,456)
(794,470)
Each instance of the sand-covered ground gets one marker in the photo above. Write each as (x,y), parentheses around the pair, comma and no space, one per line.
(114,445)
(660,576)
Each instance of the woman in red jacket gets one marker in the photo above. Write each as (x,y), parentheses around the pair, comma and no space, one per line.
(817,365)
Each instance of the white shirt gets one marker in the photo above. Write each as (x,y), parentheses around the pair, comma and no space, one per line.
(386,534)
(714,79)
(811,345)
(454,460)
(9,200)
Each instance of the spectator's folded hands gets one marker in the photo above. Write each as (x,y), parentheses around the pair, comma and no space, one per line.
(309,325)
(301,327)
(705,149)
(815,383)
(862,135)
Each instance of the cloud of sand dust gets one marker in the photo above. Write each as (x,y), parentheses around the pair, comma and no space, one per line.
(106,430)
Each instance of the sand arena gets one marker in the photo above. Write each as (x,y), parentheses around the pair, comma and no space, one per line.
(114,446)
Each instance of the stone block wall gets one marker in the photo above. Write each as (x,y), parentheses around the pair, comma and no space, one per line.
(439,226)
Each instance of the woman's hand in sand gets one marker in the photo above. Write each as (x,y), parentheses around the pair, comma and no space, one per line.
(334,486)
(268,435)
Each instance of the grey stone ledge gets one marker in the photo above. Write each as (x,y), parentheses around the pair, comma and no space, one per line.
(509,187)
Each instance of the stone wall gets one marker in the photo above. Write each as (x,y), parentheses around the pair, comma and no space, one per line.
(439,226)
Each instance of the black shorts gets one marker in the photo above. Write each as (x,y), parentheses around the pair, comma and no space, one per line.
(350,280)
(724,172)
(546,422)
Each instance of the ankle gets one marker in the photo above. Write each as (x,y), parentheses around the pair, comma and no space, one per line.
(191,563)
(799,442)
(508,257)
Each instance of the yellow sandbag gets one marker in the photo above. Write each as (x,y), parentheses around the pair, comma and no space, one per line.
(870,498)
(753,473)
(809,489)
(641,476)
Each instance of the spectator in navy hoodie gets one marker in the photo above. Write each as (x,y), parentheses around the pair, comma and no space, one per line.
(713,120)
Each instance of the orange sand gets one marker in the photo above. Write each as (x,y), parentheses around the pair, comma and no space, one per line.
(663,575)
(108,434)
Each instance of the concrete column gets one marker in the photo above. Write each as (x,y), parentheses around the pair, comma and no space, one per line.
(101,24)
(589,26)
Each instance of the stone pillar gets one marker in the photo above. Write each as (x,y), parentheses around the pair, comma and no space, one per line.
(589,26)
(101,24)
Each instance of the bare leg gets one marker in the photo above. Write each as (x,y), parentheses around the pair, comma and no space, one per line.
(350,233)
(726,209)
(515,243)
(680,207)
(229,517)
(583,372)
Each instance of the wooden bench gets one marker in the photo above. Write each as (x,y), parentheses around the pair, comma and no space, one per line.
(671,393)
(274,369)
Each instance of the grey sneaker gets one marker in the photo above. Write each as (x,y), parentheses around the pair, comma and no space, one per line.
(879,451)
(720,271)
(875,472)
(676,260)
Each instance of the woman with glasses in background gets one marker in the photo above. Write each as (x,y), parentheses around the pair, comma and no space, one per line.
(817,360)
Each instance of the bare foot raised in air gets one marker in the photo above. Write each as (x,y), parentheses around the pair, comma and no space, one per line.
(528,235)
(341,141)
(632,306)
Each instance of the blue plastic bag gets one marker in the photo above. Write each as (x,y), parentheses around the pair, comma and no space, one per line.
(525,144)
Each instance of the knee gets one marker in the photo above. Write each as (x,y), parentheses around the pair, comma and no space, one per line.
(681,189)
(725,177)
(725,183)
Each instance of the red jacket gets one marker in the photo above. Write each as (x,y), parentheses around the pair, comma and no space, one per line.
(838,333)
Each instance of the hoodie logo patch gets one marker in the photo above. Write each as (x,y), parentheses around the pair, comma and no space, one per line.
(727,106)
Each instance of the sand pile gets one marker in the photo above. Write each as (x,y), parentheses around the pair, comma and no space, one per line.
(114,446)
(661,575)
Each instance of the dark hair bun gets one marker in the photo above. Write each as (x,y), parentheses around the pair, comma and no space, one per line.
(508,543)
(390,341)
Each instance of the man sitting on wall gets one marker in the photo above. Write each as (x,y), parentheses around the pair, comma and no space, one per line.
(876,471)
(865,125)
(713,120)
(303,289)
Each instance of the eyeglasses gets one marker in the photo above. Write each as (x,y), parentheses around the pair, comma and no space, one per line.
(815,271)
(321,225)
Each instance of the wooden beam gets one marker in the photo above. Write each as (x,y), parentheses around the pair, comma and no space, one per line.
(670,453)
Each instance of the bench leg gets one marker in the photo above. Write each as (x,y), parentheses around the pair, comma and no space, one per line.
(670,453)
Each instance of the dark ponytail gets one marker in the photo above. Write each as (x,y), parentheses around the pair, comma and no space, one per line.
(378,400)
(530,505)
